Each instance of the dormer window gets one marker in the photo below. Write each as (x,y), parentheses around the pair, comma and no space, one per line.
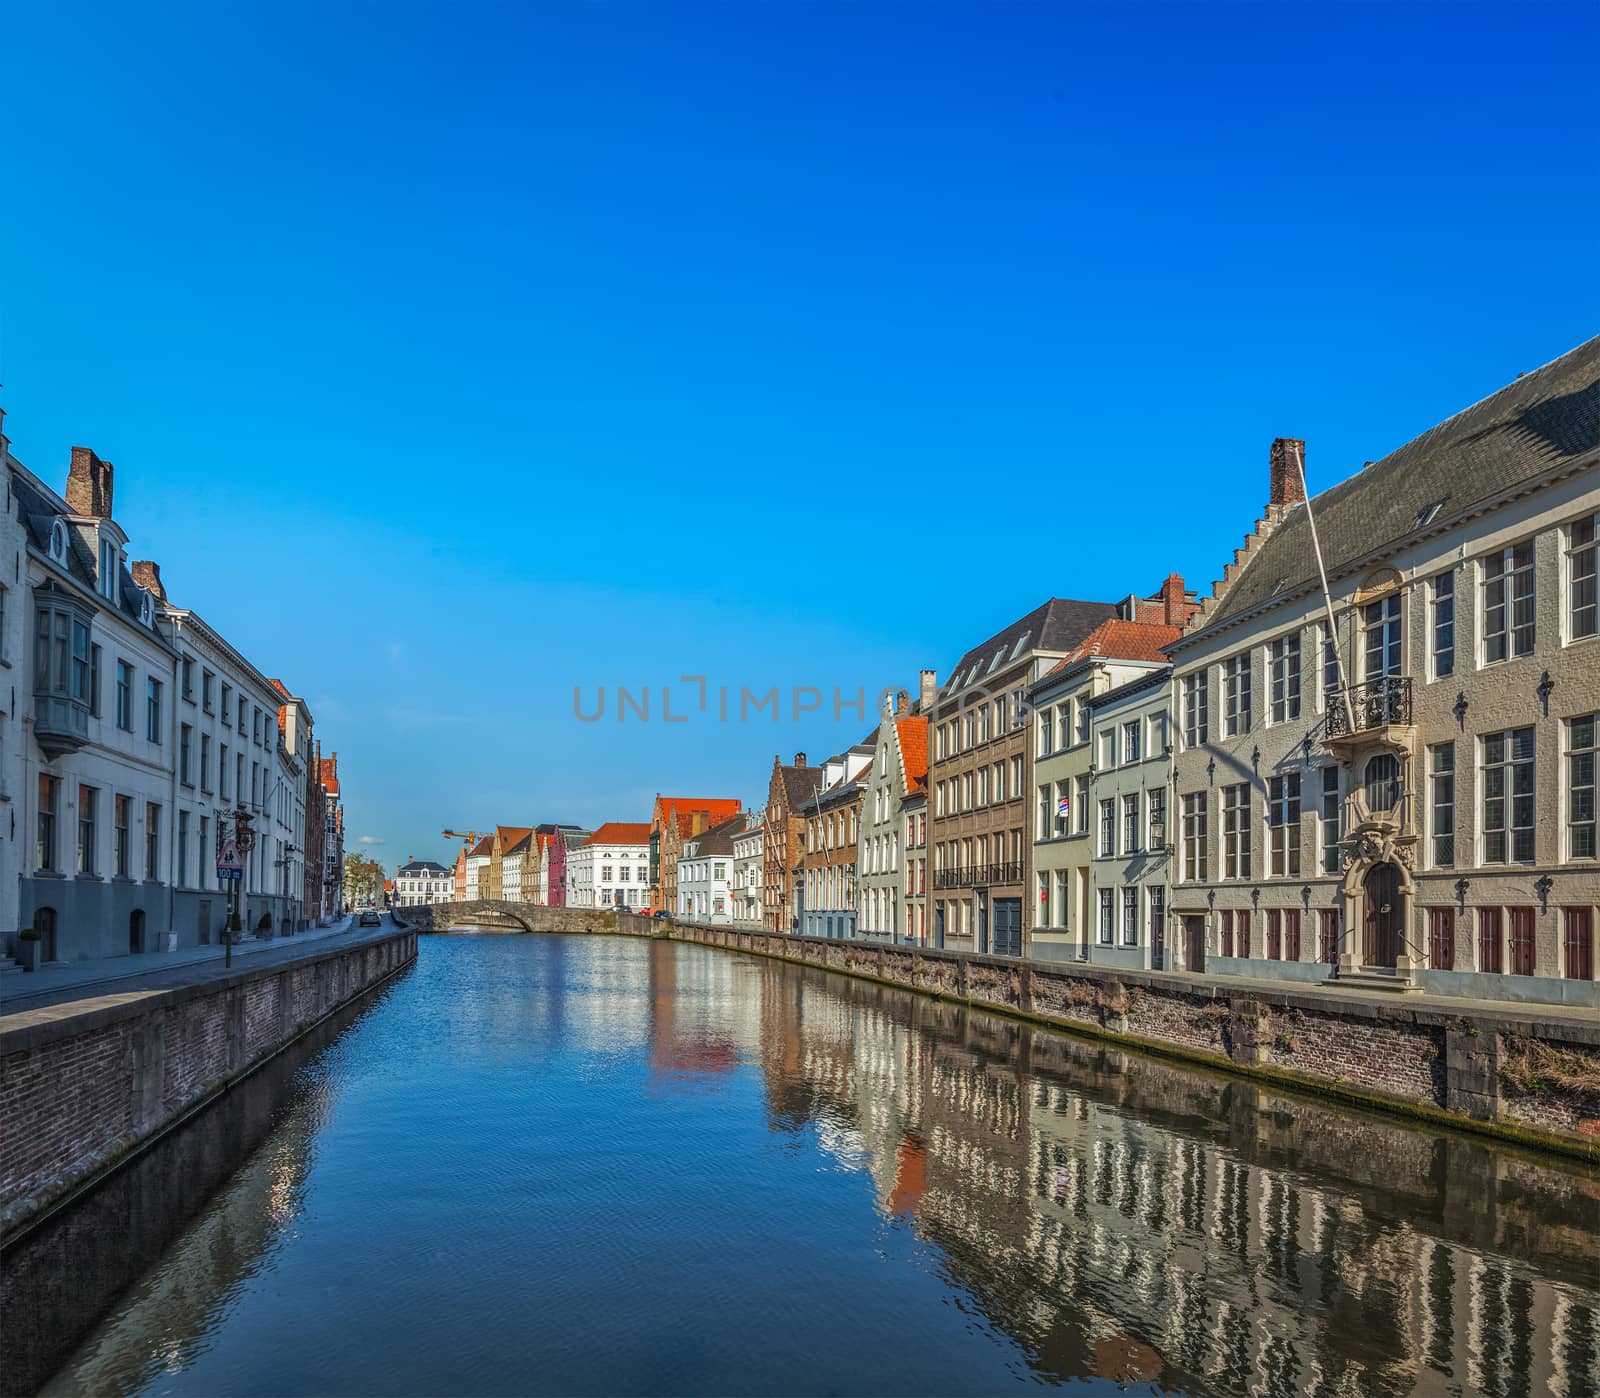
(110,572)
(147,607)
(58,542)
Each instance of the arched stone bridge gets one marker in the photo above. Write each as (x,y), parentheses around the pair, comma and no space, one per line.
(501,916)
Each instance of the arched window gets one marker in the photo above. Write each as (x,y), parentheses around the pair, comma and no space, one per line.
(1382,782)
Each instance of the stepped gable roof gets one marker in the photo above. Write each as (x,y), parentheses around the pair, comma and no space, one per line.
(800,784)
(621,832)
(1116,639)
(1543,419)
(913,735)
(1057,625)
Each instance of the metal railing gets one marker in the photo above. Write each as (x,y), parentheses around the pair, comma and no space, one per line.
(1374,704)
(978,875)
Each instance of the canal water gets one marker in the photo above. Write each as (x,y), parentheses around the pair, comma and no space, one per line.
(540,1164)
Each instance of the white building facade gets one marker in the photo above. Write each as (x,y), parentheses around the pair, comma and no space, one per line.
(705,873)
(749,856)
(422,883)
(611,868)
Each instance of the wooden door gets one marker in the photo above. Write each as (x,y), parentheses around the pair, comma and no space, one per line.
(1385,915)
(1194,932)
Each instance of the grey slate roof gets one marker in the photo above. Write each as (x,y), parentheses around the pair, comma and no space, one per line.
(718,839)
(421,866)
(1545,419)
(1057,625)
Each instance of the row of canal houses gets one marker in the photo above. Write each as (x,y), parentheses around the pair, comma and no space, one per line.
(1390,783)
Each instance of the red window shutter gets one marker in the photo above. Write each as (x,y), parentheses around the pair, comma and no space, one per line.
(1328,937)
(1442,939)
(1579,928)
(1291,934)
(1274,935)
(1244,932)
(1522,951)
(1489,943)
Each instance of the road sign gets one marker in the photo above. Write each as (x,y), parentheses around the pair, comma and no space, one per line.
(228,864)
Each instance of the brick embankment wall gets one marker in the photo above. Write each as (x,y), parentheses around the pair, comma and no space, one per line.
(1526,1076)
(85,1083)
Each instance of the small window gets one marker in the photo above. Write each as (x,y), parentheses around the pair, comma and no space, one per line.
(1382,781)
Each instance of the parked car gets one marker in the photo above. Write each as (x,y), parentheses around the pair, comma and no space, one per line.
(661,914)
(370,918)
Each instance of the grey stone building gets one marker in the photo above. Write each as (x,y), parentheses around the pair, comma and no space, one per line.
(1409,798)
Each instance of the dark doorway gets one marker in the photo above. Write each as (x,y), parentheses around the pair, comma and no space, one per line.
(136,931)
(205,922)
(938,926)
(1158,942)
(1385,915)
(1523,958)
(44,923)
(1008,927)
(982,929)
(1194,935)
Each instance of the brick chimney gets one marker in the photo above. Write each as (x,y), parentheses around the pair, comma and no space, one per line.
(148,576)
(799,759)
(1174,608)
(928,687)
(901,700)
(1288,453)
(89,485)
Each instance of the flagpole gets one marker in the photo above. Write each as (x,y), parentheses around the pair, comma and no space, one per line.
(1327,597)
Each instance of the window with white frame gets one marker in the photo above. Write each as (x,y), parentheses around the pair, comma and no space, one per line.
(1196,717)
(1108,913)
(1236,695)
(1381,639)
(1442,596)
(1581,787)
(1330,820)
(1284,655)
(1108,749)
(1131,744)
(1196,846)
(1236,831)
(1582,619)
(1080,805)
(1507,780)
(1130,915)
(1130,823)
(1156,817)
(1047,737)
(1108,828)
(1442,804)
(1283,825)
(1081,732)
(1508,620)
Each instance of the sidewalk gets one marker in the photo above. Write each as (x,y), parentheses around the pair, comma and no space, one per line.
(76,980)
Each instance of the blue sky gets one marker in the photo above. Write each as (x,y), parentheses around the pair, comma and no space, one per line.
(453,357)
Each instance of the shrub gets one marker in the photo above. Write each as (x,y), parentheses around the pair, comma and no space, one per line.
(265,925)
(29,934)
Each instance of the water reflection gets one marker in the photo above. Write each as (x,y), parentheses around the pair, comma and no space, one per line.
(596,1165)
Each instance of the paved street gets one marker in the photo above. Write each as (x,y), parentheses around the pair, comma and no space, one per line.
(57,985)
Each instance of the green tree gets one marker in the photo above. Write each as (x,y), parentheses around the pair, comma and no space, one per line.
(363,879)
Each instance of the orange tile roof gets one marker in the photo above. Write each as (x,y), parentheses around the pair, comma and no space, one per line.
(717,809)
(484,846)
(913,733)
(1116,639)
(621,832)
(513,835)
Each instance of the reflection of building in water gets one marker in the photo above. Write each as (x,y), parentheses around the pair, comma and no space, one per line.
(1123,1218)
(231,1239)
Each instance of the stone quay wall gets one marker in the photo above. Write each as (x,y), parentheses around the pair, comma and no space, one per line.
(1530,1076)
(84,1084)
